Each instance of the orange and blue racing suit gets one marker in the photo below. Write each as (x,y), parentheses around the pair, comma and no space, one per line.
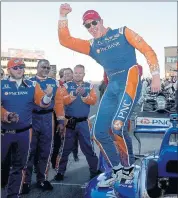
(77,110)
(18,135)
(43,130)
(115,51)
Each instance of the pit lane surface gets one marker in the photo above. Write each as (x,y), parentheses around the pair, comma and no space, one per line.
(77,174)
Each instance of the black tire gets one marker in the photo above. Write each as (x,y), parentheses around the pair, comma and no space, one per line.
(152,179)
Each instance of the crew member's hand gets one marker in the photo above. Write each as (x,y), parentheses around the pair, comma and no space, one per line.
(81,91)
(13,117)
(73,95)
(156,83)
(60,129)
(65,9)
(10,117)
(49,91)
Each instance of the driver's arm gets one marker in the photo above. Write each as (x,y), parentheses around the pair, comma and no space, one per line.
(138,42)
(65,39)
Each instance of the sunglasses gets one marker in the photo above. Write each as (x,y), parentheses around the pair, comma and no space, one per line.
(45,67)
(18,67)
(88,25)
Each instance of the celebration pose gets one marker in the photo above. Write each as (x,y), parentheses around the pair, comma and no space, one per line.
(114,49)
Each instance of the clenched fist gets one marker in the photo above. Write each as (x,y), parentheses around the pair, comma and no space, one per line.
(156,83)
(65,9)
(49,91)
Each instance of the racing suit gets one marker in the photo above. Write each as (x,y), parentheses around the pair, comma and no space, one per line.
(115,51)
(21,101)
(43,131)
(76,112)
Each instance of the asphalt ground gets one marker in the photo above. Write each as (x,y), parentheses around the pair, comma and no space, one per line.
(77,174)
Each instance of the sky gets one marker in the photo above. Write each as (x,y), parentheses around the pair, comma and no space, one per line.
(34,26)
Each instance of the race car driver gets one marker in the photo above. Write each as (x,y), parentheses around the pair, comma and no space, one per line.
(114,49)
(18,96)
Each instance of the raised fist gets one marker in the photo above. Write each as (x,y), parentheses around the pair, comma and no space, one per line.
(49,91)
(65,9)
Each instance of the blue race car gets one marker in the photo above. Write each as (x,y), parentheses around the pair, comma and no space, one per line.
(156,174)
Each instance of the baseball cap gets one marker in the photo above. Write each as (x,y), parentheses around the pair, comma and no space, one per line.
(15,62)
(91,14)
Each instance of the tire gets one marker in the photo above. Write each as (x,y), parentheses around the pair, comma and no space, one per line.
(152,179)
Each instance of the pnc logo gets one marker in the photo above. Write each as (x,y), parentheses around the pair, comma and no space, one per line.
(145,121)
(125,109)
(16,93)
(108,47)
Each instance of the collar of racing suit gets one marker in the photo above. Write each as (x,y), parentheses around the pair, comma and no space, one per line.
(18,81)
(41,78)
(79,84)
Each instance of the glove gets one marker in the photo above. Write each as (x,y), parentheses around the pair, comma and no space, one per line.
(81,91)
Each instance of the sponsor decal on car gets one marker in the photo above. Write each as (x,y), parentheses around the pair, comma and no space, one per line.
(147,121)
